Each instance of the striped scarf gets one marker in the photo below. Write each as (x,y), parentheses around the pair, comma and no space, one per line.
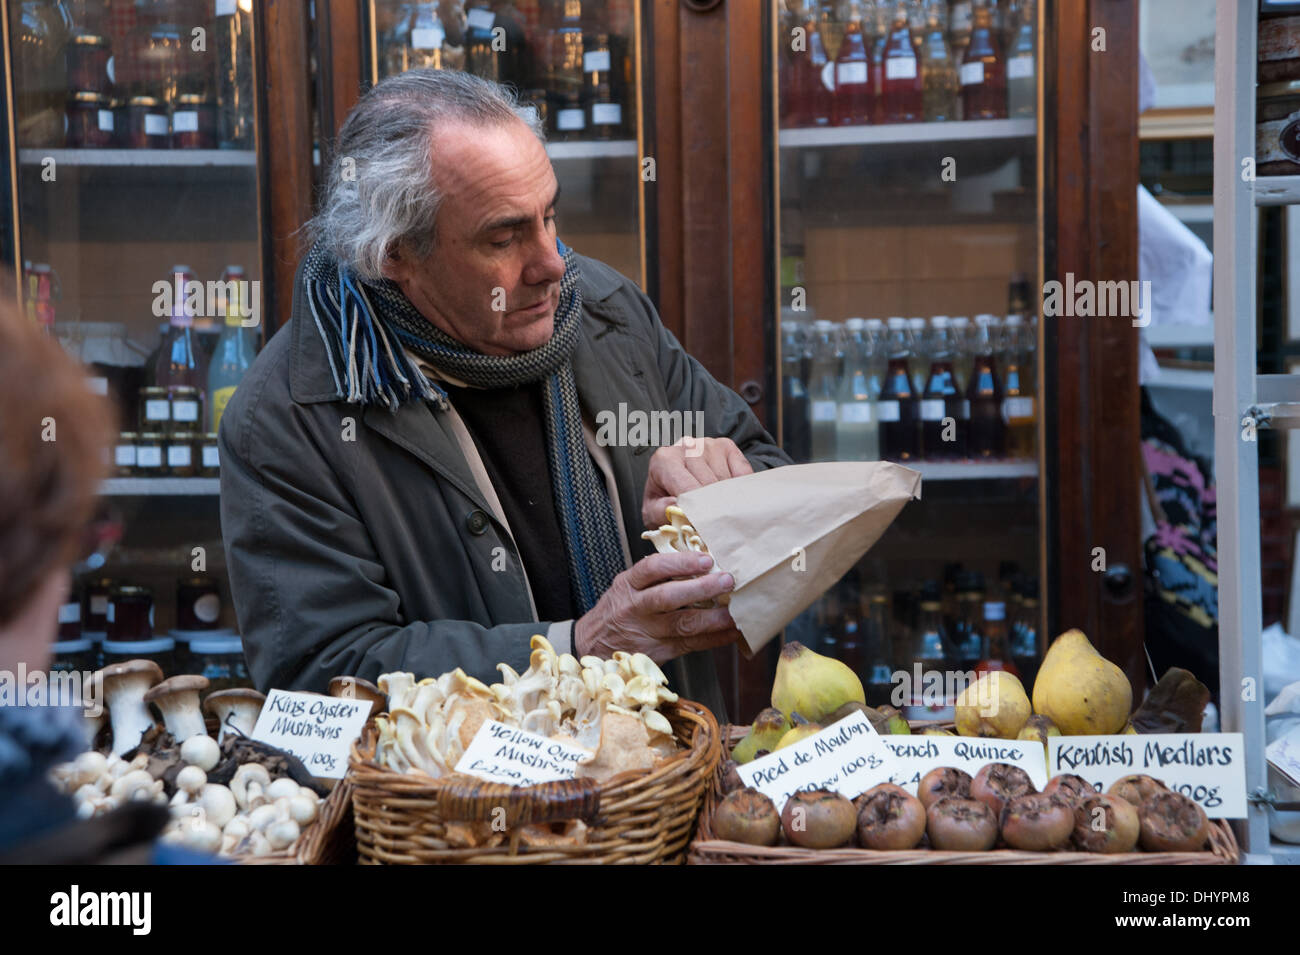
(367,326)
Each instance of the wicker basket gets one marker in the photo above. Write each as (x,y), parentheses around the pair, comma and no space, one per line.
(706,849)
(328,840)
(635,818)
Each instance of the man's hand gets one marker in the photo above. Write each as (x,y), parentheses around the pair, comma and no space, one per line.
(690,463)
(642,612)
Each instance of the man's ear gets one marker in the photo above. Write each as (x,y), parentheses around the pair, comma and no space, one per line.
(395,266)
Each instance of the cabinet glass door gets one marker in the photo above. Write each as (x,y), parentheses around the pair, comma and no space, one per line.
(908,209)
(576,63)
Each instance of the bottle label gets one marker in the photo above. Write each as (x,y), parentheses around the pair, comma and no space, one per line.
(972,73)
(597,61)
(900,68)
(99,605)
(823,411)
(1017,408)
(887,410)
(186,411)
(567,119)
(157,409)
(106,120)
(828,76)
(606,114)
(155,124)
(124,455)
(148,457)
(179,456)
(225,8)
(932,409)
(220,398)
(427,38)
(480,19)
(70,613)
(185,121)
(211,456)
(1020,68)
(851,73)
(208,608)
(855,412)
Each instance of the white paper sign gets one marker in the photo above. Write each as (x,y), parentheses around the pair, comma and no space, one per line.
(507,754)
(848,758)
(1283,754)
(914,756)
(319,730)
(1206,767)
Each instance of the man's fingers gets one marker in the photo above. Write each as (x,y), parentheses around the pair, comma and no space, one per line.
(654,511)
(652,570)
(737,463)
(675,595)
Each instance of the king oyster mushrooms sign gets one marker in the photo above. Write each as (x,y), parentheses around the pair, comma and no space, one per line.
(848,757)
(319,730)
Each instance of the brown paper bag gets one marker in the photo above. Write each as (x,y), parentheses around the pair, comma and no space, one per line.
(788,534)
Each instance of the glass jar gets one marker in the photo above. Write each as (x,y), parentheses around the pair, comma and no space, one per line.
(180,454)
(124,454)
(88,57)
(130,614)
(74,656)
(161,650)
(186,408)
(155,409)
(90,121)
(95,599)
(210,456)
(146,125)
(220,658)
(198,603)
(39,31)
(194,122)
(70,618)
(149,455)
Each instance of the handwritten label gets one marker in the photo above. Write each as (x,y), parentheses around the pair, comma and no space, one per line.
(1283,754)
(507,754)
(848,758)
(319,730)
(1205,767)
(914,756)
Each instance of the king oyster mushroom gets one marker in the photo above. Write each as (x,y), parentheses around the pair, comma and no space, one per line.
(236,709)
(178,701)
(125,685)
(355,688)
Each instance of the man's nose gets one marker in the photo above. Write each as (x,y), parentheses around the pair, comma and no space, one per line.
(546,265)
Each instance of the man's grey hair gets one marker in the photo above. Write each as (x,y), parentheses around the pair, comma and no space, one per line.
(379,192)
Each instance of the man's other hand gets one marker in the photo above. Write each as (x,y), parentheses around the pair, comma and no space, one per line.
(690,463)
(648,610)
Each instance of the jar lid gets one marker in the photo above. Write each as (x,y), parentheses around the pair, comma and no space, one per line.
(143,101)
(1277,90)
(137,647)
(89,96)
(131,590)
(151,437)
(128,436)
(185,390)
(215,645)
(193,99)
(84,645)
(89,39)
(185,436)
(153,390)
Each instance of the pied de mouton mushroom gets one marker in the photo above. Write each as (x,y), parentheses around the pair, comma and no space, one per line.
(125,685)
(178,701)
(235,709)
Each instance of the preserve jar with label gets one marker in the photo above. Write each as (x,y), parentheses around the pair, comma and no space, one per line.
(147,125)
(194,122)
(88,57)
(198,603)
(149,460)
(180,454)
(70,618)
(209,457)
(187,408)
(95,605)
(155,409)
(124,454)
(90,121)
(130,614)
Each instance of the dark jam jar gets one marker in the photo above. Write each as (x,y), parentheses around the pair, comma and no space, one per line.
(180,454)
(186,409)
(149,460)
(70,618)
(194,122)
(124,454)
(90,121)
(130,614)
(155,409)
(209,456)
(198,604)
(147,126)
(88,57)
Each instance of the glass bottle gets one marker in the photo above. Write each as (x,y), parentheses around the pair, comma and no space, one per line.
(181,364)
(565,87)
(853,92)
(987,433)
(816,73)
(959,28)
(916,18)
(1024,634)
(931,650)
(233,41)
(605,114)
(879,40)
(898,406)
(878,652)
(1022,87)
(997,651)
(1019,406)
(902,82)
(794,393)
(481,58)
(968,634)
(938,69)
(857,433)
(918,339)
(941,399)
(959,328)
(231,359)
(788,22)
(823,390)
(983,71)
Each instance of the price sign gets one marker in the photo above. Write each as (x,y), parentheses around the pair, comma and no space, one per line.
(848,758)
(915,756)
(319,730)
(507,754)
(1205,767)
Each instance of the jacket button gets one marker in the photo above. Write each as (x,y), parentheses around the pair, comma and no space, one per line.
(477,522)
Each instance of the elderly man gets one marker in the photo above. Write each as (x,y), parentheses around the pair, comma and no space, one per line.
(410,475)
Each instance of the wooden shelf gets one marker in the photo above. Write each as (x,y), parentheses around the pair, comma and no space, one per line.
(140,157)
(975,129)
(160,486)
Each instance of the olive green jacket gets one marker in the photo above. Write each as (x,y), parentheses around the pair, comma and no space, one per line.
(360,541)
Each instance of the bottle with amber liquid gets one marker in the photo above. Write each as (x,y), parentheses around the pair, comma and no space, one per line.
(853,92)
(604,112)
(1022,88)
(938,69)
(997,649)
(986,437)
(899,406)
(902,80)
(180,362)
(565,75)
(1019,406)
(983,70)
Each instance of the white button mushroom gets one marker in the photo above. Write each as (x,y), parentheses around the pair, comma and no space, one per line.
(301,811)
(189,783)
(201,751)
(249,785)
(87,768)
(282,834)
(218,803)
(130,784)
(282,788)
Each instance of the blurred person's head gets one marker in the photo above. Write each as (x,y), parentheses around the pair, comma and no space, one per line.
(53,437)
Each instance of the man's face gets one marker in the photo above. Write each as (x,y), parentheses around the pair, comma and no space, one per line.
(492,281)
